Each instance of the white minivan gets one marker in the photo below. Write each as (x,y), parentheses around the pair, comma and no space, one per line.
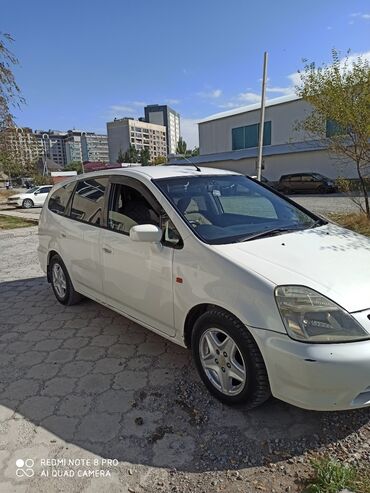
(270,298)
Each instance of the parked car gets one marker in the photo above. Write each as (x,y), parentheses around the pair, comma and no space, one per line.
(306,183)
(270,298)
(34,197)
(264,180)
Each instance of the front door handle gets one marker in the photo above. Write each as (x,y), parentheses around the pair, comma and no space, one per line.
(107,250)
(63,235)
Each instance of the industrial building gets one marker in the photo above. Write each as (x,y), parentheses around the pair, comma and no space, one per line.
(229,140)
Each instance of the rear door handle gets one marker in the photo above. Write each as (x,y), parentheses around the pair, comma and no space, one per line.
(107,250)
(63,235)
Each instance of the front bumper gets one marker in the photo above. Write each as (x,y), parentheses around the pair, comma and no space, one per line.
(320,377)
(15,202)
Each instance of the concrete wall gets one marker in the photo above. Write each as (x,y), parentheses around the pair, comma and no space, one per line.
(118,139)
(215,135)
(277,165)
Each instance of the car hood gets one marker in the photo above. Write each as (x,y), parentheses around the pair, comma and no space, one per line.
(332,260)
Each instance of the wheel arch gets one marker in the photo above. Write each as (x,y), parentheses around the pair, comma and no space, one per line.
(193,315)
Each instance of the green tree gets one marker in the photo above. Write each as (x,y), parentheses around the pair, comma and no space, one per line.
(74,166)
(181,147)
(10,95)
(195,151)
(131,155)
(339,94)
(121,157)
(145,157)
(159,160)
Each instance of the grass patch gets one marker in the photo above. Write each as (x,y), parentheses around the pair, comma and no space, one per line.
(331,477)
(4,193)
(10,222)
(357,222)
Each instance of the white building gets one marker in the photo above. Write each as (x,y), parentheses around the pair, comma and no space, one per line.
(124,132)
(229,140)
(94,147)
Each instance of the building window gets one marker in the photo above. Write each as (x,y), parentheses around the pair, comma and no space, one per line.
(333,128)
(245,137)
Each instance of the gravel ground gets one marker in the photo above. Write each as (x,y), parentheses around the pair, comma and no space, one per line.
(324,204)
(84,383)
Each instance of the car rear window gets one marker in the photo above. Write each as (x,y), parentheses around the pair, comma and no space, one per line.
(59,199)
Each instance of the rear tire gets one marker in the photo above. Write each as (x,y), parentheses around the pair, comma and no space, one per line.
(232,368)
(27,204)
(61,283)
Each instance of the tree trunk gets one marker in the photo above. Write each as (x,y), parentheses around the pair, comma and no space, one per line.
(364,190)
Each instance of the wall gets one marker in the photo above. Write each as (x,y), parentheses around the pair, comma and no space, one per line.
(275,166)
(215,135)
(118,139)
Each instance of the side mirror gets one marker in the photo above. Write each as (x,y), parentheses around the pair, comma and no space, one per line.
(147,233)
(35,193)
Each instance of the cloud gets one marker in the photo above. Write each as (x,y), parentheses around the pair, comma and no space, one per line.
(229,105)
(249,97)
(213,94)
(360,15)
(139,103)
(189,132)
(172,101)
(120,110)
(286,91)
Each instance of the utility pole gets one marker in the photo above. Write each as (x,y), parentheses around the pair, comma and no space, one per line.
(262,120)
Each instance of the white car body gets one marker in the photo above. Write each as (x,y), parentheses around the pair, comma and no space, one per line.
(140,281)
(36,194)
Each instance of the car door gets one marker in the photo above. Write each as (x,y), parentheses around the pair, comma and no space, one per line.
(137,276)
(84,231)
(40,195)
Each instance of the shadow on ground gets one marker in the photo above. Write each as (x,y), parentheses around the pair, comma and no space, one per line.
(100,382)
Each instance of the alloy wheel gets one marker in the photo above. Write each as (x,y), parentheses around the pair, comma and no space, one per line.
(59,280)
(222,361)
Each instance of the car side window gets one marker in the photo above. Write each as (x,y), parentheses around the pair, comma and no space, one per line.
(58,201)
(128,207)
(44,190)
(88,200)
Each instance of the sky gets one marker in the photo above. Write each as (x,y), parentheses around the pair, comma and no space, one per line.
(84,62)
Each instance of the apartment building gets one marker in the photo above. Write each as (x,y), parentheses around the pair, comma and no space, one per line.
(51,145)
(21,144)
(164,115)
(124,132)
(94,147)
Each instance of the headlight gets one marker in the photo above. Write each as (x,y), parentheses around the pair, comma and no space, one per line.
(311,317)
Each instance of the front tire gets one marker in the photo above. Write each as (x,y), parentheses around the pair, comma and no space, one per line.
(27,204)
(228,360)
(61,283)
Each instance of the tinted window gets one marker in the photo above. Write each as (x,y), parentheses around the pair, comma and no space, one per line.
(246,137)
(59,200)
(44,190)
(128,207)
(88,200)
(232,208)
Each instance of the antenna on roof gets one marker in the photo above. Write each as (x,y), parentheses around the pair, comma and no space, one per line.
(193,164)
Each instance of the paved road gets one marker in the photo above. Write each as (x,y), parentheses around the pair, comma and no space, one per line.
(84,383)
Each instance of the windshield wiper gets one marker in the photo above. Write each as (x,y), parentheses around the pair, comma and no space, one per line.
(268,232)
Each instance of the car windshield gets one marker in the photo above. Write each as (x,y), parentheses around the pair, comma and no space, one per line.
(31,190)
(232,208)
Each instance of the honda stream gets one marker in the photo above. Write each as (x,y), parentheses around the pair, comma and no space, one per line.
(269,297)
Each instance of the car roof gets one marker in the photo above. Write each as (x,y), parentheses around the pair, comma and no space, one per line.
(157,172)
(299,174)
